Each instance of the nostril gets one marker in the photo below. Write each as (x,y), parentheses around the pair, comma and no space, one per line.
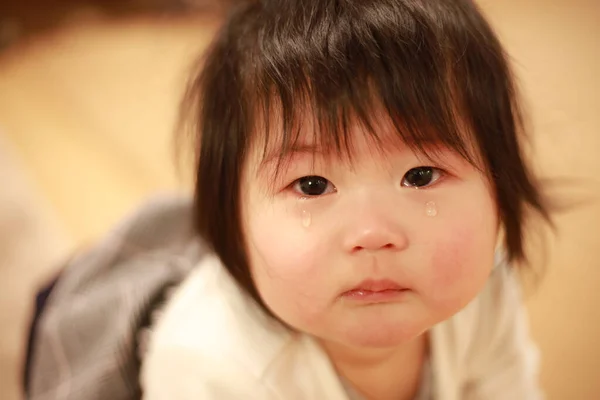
(388,246)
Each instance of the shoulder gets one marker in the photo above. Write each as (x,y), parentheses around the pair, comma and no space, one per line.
(208,336)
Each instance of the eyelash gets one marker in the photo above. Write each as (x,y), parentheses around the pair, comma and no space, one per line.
(442,175)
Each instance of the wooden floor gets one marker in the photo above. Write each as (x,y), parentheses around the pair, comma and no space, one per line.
(86,120)
(89,113)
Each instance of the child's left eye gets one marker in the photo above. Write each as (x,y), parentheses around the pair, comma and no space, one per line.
(313,185)
(421,177)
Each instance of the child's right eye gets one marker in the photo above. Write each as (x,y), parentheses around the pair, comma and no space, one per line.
(313,185)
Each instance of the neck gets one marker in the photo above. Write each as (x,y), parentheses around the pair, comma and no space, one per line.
(390,373)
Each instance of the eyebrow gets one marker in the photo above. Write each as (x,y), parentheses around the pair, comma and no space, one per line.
(288,153)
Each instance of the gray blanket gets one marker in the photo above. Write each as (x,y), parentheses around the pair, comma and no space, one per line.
(87,342)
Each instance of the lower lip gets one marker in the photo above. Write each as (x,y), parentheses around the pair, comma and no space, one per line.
(382,296)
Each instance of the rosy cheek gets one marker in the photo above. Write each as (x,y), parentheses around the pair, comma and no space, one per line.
(288,256)
(464,245)
(288,275)
(447,260)
(458,266)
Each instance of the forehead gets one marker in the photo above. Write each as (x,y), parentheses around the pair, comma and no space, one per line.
(275,141)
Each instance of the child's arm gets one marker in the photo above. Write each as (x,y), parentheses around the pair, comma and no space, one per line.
(505,361)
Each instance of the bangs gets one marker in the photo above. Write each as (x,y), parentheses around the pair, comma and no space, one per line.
(356,66)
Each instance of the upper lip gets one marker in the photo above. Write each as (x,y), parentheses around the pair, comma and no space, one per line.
(376,285)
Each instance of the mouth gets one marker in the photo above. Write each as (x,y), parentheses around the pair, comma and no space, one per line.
(376,291)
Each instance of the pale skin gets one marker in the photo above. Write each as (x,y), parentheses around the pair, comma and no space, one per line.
(367,220)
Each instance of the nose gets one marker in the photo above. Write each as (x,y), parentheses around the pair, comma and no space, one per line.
(371,233)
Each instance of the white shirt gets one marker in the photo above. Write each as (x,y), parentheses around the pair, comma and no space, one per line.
(212,343)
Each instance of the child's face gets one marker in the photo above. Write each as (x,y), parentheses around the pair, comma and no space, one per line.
(358,255)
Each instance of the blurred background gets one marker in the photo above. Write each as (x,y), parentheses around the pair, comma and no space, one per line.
(88,98)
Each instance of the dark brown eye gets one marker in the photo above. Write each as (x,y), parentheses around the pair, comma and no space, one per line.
(313,186)
(421,177)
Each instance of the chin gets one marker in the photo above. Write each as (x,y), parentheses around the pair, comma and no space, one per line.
(382,334)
